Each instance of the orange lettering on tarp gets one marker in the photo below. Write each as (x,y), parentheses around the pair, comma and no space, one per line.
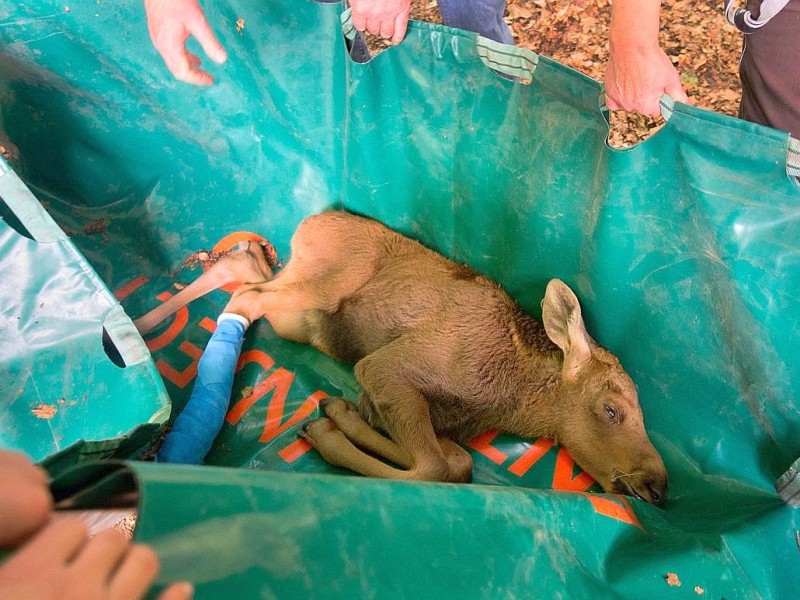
(279,382)
(294,450)
(609,508)
(531,456)
(262,359)
(181,378)
(482,444)
(266,362)
(562,476)
(177,325)
(210,325)
(273,427)
(126,290)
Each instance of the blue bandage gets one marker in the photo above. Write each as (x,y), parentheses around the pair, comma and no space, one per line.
(202,418)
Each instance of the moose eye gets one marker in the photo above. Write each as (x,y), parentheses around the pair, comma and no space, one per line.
(612,413)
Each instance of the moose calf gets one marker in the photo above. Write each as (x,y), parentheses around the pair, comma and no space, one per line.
(441,353)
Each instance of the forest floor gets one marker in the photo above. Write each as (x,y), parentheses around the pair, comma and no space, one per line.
(702,45)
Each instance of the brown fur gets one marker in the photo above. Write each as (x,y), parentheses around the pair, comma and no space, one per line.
(442,354)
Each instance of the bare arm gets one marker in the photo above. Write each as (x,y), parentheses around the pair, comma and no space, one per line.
(638,70)
(171,23)
(386,18)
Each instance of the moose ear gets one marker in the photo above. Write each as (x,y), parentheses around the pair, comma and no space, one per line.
(561,314)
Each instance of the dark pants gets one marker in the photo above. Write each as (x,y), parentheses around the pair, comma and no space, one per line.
(770,72)
(484,17)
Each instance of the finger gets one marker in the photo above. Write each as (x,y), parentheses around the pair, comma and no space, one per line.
(201,30)
(400,28)
(25,499)
(183,590)
(40,475)
(359,22)
(23,510)
(177,61)
(60,540)
(19,464)
(650,106)
(386,29)
(101,554)
(135,573)
(180,65)
(677,93)
(16,466)
(194,61)
(197,77)
(374,26)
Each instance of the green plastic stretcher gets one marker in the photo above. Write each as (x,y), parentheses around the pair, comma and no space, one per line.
(684,251)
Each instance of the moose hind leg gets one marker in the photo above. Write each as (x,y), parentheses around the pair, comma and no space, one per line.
(245,263)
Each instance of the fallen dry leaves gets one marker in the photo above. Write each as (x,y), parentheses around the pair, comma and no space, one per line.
(672,579)
(44,411)
(703,47)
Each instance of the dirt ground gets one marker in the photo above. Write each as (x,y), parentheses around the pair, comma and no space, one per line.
(694,33)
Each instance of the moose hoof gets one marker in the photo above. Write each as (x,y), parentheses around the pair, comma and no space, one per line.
(316,428)
(337,408)
(326,439)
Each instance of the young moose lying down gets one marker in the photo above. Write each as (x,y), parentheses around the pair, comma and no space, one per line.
(442,354)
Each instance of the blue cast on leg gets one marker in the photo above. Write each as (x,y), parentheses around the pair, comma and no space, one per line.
(202,418)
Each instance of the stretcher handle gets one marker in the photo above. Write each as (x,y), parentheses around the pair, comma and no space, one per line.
(792,151)
(517,64)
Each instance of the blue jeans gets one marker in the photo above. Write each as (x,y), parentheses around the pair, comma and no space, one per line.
(484,17)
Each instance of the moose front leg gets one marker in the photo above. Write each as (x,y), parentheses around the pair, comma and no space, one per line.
(345,439)
(342,437)
(458,460)
(352,424)
(405,415)
(394,403)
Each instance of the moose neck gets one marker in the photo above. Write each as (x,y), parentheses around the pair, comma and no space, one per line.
(538,395)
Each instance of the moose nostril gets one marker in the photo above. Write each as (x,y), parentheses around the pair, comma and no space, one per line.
(658,493)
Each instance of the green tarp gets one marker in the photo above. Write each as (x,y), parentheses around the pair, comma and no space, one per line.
(683,250)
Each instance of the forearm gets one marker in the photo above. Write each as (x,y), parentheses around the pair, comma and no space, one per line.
(634,26)
(639,72)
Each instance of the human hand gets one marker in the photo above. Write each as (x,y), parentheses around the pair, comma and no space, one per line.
(386,18)
(63,563)
(636,80)
(25,500)
(171,23)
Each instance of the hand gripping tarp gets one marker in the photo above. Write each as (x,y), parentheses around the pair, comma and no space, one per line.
(683,250)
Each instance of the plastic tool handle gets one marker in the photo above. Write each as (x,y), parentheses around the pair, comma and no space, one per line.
(200,421)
